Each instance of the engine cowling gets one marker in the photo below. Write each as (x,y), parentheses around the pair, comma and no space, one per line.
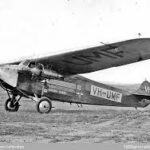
(144,102)
(38,70)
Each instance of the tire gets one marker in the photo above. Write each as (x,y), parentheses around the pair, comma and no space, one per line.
(10,108)
(44,105)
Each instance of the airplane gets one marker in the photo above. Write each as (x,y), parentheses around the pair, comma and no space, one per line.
(57,77)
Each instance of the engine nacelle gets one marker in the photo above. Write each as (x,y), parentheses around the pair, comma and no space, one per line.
(144,102)
(35,71)
(38,70)
(51,74)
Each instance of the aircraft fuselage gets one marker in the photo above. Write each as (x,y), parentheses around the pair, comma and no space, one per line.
(73,89)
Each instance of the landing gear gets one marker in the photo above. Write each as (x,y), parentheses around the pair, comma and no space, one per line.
(11,106)
(12,103)
(44,105)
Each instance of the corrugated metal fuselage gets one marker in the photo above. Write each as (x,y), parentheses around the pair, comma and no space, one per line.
(73,89)
(77,89)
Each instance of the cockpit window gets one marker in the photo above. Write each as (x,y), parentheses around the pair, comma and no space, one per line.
(32,65)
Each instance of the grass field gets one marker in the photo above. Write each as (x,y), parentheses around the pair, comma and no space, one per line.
(70,124)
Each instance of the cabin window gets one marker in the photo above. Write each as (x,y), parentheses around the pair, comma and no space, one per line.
(32,65)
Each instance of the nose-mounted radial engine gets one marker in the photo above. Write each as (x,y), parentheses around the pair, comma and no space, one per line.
(30,79)
(37,69)
(58,77)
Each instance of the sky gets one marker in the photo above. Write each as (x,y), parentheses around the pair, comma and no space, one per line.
(35,28)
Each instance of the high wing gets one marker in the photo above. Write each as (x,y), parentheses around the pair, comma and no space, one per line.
(98,58)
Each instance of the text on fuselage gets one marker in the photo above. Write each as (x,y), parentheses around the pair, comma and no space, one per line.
(105,93)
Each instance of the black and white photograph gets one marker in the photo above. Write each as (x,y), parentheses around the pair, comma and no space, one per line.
(75,72)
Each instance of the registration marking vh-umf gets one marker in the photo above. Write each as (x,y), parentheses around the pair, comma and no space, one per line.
(105,93)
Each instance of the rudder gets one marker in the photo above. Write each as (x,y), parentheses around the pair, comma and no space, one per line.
(144,89)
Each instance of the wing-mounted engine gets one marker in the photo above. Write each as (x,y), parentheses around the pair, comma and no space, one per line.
(143,93)
(144,89)
(38,70)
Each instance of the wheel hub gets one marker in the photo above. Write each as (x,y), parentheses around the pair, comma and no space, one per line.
(11,106)
(44,106)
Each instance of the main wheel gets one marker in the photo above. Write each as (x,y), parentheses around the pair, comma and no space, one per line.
(9,106)
(44,105)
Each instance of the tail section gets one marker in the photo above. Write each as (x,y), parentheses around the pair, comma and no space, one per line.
(144,89)
(143,93)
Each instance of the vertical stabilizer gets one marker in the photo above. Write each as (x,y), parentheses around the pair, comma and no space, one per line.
(144,89)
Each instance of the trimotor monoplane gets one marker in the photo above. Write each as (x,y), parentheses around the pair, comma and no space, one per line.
(55,78)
